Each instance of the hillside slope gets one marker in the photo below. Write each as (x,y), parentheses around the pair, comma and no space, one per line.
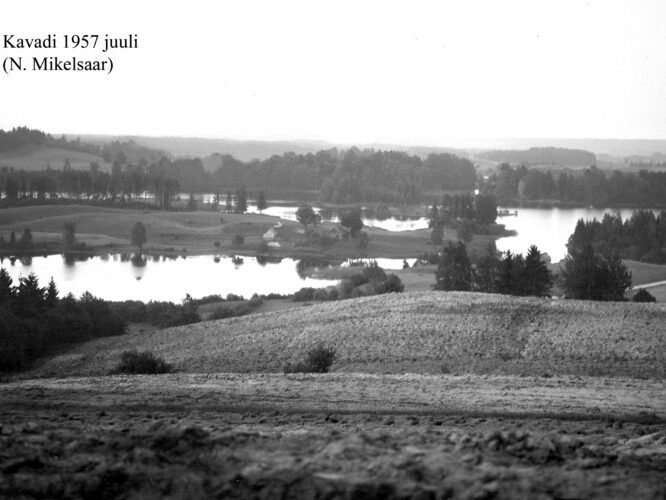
(423,332)
(39,157)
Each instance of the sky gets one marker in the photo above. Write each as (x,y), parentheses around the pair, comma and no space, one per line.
(411,72)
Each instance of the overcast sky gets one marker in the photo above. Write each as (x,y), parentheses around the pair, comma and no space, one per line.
(407,72)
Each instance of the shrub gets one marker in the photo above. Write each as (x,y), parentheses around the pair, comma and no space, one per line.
(255,301)
(134,362)
(304,294)
(373,272)
(167,314)
(390,285)
(233,296)
(230,310)
(216,244)
(325,294)
(317,360)
(346,289)
(642,295)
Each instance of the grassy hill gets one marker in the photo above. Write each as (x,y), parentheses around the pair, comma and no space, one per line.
(423,332)
(38,157)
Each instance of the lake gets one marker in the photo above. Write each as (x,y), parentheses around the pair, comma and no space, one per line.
(116,277)
(548,228)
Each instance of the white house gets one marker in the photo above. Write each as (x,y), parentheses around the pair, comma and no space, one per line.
(271,234)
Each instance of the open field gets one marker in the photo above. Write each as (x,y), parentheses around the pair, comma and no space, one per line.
(108,229)
(424,332)
(642,272)
(38,158)
(332,436)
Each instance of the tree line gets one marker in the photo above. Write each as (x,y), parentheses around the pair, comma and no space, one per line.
(641,237)
(586,275)
(335,176)
(590,186)
(510,274)
(35,320)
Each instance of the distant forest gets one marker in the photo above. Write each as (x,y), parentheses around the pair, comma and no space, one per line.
(588,187)
(542,156)
(335,176)
(22,138)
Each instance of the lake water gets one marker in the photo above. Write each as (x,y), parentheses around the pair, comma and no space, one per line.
(391,224)
(118,278)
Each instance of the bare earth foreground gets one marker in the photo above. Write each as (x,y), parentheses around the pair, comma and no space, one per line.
(541,399)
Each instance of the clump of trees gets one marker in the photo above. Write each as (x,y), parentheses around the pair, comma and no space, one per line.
(590,186)
(589,275)
(306,215)
(641,237)
(352,221)
(336,176)
(35,320)
(510,274)
(158,313)
(371,280)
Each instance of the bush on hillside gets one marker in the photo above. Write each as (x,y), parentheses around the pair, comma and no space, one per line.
(642,295)
(317,360)
(392,284)
(304,294)
(145,362)
(229,310)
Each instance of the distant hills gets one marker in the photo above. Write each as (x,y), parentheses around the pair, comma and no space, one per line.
(542,156)
(248,150)
(28,149)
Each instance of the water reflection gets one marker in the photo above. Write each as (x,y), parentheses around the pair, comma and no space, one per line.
(127,276)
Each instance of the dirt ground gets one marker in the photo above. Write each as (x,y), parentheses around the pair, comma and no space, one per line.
(332,436)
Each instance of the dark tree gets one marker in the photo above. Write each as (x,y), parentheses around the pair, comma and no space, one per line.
(240,200)
(30,297)
(306,215)
(591,276)
(352,221)
(69,236)
(26,242)
(642,295)
(488,271)
(454,271)
(437,234)
(538,279)
(138,236)
(229,205)
(51,297)
(192,203)
(6,288)
(485,210)
(12,239)
(261,202)
(464,230)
